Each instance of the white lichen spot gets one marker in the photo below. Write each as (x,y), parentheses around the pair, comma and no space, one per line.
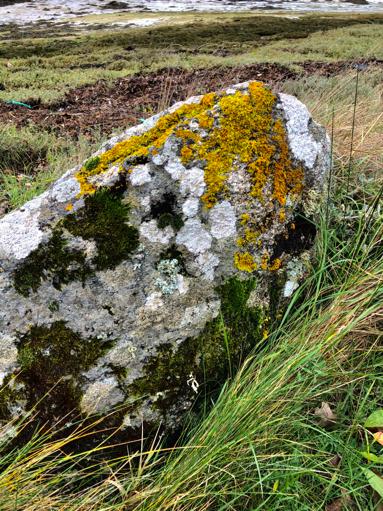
(175,168)
(301,141)
(193,383)
(194,236)
(193,182)
(20,231)
(296,269)
(208,262)
(151,232)
(140,175)
(190,207)
(222,220)
(290,287)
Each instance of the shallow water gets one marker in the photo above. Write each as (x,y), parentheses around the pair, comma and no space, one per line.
(18,11)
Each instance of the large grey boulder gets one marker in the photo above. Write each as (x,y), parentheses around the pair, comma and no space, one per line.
(140,277)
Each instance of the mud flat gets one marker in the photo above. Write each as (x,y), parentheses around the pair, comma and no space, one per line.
(19,12)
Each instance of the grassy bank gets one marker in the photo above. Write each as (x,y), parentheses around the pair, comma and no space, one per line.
(268,442)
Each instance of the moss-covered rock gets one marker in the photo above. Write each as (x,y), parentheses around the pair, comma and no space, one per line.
(144,277)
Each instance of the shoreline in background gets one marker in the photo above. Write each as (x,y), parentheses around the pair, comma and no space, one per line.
(20,12)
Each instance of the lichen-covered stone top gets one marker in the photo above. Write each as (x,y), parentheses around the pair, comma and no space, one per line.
(127,266)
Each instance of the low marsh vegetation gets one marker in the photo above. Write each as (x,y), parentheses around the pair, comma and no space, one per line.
(45,68)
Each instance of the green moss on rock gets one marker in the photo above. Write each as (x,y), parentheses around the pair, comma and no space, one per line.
(220,348)
(53,259)
(171,219)
(104,220)
(92,163)
(51,361)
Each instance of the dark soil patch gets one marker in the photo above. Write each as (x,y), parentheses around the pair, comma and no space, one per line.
(333,68)
(108,106)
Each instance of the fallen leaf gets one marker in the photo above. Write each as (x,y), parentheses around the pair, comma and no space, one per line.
(335,461)
(375,420)
(379,437)
(326,415)
(375,481)
(370,456)
(341,504)
(335,505)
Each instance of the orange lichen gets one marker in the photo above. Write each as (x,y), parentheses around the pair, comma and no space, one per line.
(187,135)
(265,261)
(245,262)
(186,154)
(286,178)
(275,265)
(141,146)
(236,131)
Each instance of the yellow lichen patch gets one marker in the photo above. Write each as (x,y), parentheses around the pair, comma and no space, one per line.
(206,121)
(237,132)
(286,178)
(275,265)
(250,236)
(247,133)
(265,261)
(245,262)
(187,135)
(267,266)
(141,146)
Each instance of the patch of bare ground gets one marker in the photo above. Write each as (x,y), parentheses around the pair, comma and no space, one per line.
(106,106)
